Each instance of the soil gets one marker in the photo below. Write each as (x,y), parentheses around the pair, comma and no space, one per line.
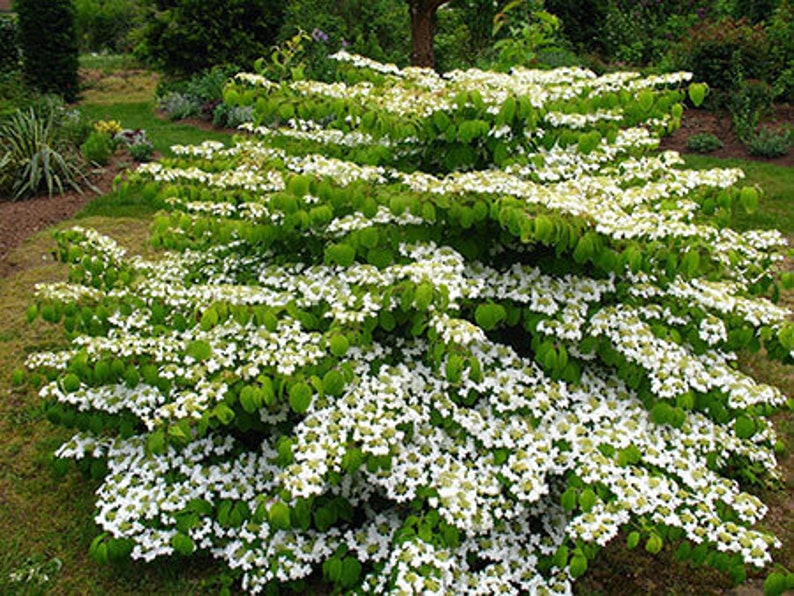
(19,220)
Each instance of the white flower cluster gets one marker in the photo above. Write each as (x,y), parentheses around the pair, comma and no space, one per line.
(431,386)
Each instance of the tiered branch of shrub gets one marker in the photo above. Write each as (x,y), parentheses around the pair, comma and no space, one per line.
(422,333)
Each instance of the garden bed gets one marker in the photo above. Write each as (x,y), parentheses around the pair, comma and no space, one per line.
(720,125)
(19,220)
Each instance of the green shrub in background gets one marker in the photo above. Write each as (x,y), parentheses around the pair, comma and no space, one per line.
(754,11)
(379,29)
(718,52)
(98,148)
(105,25)
(178,106)
(183,37)
(198,96)
(9,48)
(582,22)
(769,142)
(142,151)
(747,102)
(48,42)
(780,31)
(703,142)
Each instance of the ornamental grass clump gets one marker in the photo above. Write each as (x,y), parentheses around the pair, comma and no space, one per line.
(36,154)
(425,333)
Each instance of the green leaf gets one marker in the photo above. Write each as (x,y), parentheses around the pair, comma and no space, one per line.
(654,544)
(340,254)
(662,413)
(338,345)
(454,369)
(488,316)
(560,559)
(332,570)
(585,249)
(749,199)
(568,499)
(775,584)
(155,442)
(587,499)
(544,229)
(632,540)
(278,516)
(441,120)
(424,295)
(183,544)
(70,383)
(645,99)
(209,319)
(697,93)
(224,414)
(199,350)
(351,572)
(333,383)
(300,397)
(744,427)
(578,566)
(690,264)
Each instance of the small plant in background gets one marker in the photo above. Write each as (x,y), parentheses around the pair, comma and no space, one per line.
(142,152)
(35,155)
(111,127)
(178,106)
(138,144)
(703,142)
(98,148)
(33,575)
(768,141)
(748,104)
(285,63)
(529,28)
(226,116)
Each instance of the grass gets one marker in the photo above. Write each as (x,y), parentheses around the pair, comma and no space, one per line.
(777,182)
(162,132)
(44,517)
(109,63)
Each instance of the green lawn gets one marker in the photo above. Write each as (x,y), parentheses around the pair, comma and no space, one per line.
(162,132)
(777,203)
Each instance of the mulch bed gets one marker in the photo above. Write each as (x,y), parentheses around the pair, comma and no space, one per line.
(19,220)
(720,125)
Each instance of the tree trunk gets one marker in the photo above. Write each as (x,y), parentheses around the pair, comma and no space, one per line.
(423,24)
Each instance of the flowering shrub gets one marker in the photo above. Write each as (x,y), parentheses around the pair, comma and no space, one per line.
(363,352)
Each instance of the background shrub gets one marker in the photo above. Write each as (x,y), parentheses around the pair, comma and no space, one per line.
(183,37)
(769,142)
(722,53)
(48,41)
(780,31)
(178,106)
(9,48)
(379,29)
(582,22)
(105,25)
(98,148)
(704,142)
